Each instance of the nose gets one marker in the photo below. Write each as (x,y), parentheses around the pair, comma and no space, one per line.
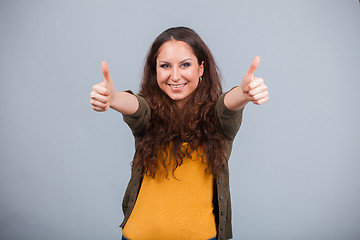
(175,75)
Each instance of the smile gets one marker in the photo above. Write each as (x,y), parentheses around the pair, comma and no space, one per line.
(177,86)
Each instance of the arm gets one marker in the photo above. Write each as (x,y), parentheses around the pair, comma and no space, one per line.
(105,96)
(228,119)
(252,89)
(124,103)
(235,99)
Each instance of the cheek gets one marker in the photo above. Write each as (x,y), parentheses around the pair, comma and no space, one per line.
(192,75)
(161,76)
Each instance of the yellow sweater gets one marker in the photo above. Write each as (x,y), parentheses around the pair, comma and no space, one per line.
(167,208)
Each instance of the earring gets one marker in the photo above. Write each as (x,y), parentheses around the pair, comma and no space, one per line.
(200,79)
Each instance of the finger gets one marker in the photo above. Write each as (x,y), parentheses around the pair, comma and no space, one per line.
(261,101)
(256,82)
(249,75)
(253,66)
(101,89)
(259,89)
(98,104)
(261,95)
(98,109)
(99,97)
(106,73)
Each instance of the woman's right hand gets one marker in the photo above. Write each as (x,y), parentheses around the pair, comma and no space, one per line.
(103,93)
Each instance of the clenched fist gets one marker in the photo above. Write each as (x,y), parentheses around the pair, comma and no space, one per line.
(252,87)
(104,92)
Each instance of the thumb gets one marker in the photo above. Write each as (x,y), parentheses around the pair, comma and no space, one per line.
(106,74)
(249,75)
(253,66)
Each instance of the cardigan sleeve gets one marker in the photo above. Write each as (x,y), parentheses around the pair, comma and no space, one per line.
(137,121)
(229,120)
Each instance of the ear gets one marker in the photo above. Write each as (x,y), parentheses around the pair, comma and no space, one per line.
(201,69)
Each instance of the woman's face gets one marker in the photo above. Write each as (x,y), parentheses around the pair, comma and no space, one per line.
(178,71)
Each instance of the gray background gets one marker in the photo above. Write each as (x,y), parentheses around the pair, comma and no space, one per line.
(295,163)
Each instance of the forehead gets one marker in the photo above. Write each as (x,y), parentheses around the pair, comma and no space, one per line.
(175,50)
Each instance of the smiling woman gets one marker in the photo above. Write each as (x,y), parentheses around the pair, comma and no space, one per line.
(182,123)
(178,71)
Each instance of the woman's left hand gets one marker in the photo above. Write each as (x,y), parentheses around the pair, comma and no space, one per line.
(253,88)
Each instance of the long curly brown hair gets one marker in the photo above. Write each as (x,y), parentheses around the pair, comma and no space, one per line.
(195,124)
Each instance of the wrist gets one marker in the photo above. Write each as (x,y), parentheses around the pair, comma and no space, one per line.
(236,99)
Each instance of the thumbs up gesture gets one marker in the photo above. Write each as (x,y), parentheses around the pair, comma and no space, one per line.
(103,93)
(253,88)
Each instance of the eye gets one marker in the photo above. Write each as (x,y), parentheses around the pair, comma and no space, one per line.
(185,64)
(164,65)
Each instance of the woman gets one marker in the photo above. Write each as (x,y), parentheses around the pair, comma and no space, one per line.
(183,124)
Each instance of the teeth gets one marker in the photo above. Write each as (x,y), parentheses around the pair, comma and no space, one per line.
(177,86)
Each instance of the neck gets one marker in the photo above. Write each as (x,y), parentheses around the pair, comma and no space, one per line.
(182,104)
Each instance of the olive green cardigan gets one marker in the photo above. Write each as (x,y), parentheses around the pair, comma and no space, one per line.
(230,122)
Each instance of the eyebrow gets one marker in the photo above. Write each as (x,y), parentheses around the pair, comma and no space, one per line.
(180,62)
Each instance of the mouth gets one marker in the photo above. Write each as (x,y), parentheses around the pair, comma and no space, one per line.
(177,86)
